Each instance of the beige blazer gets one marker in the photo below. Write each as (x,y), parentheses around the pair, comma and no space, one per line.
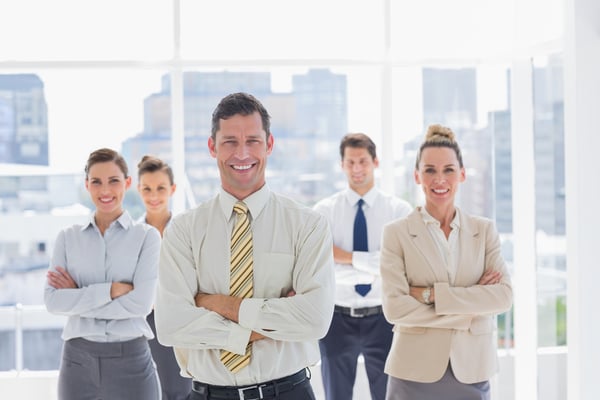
(460,327)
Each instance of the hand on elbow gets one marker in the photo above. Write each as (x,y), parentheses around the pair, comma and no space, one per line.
(224,305)
(254,336)
(425,295)
(60,279)
(118,289)
(490,277)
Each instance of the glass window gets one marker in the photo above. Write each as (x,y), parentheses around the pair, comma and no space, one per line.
(76,76)
(548,105)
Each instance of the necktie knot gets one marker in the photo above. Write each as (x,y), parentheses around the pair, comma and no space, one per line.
(240,208)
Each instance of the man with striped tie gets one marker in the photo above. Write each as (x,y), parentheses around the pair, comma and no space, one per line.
(357,216)
(246,281)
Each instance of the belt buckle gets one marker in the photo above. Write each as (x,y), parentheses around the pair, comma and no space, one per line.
(354,314)
(260,393)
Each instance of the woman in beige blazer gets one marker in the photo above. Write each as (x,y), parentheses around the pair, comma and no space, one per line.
(444,280)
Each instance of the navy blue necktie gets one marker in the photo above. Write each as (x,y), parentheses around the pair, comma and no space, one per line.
(360,242)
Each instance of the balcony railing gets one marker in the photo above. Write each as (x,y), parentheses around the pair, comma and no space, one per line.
(17,323)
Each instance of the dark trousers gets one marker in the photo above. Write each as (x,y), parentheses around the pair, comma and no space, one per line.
(301,391)
(346,339)
(173,385)
(107,371)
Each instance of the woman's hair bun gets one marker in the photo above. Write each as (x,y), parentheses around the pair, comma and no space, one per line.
(437,132)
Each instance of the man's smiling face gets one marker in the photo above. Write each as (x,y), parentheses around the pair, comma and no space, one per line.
(241,148)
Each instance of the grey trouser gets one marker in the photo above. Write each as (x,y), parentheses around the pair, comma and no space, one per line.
(107,371)
(447,388)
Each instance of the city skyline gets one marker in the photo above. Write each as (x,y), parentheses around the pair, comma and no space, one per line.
(302,114)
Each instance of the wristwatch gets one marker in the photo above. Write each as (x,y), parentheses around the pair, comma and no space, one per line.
(426,293)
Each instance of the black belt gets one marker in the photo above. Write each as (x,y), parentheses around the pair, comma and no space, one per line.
(253,392)
(359,312)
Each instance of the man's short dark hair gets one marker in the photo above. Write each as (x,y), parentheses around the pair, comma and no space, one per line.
(239,103)
(358,140)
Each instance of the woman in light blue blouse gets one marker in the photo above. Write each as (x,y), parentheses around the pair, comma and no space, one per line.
(103,276)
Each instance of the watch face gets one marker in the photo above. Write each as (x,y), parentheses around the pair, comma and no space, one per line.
(426,294)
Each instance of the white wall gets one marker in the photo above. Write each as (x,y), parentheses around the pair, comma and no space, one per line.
(582,141)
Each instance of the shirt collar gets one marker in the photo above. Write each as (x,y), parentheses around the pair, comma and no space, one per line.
(255,202)
(428,219)
(124,220)
(369,198)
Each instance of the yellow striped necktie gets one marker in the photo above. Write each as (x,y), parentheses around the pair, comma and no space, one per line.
(240,283)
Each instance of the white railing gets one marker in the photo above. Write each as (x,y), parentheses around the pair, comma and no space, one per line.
(19,318)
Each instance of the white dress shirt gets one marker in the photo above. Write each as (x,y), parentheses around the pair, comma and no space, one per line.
(379,209)
(291,250)
(448,248)
(127,252)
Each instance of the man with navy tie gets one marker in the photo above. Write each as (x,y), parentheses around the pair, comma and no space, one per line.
(356,216)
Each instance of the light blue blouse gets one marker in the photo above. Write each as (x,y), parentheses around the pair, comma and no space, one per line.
(128,252)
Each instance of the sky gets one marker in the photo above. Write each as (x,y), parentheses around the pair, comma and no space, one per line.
(88,110)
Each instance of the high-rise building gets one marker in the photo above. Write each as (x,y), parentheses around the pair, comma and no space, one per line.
(549,147)
(23,140)
(23,120)
(499,124)
(548,154)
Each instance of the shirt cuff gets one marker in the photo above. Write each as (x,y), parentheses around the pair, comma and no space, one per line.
(249,310)
(441,293)
(102,293)
(238,339)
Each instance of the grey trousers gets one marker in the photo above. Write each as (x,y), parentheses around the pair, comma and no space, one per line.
(107,371)
(447,388)
(173,385)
